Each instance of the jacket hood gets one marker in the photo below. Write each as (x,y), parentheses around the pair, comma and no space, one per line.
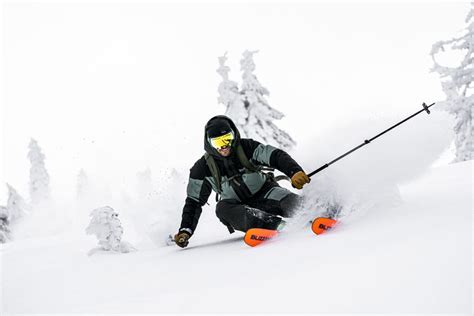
(211,150)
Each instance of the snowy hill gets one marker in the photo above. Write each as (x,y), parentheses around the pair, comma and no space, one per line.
(412,258)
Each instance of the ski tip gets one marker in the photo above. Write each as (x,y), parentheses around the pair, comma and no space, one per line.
(255,236)
(322,224)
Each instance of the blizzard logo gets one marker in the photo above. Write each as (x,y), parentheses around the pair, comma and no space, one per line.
(259,238)
(324,227)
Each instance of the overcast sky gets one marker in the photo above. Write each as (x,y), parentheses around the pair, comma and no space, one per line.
(115,88)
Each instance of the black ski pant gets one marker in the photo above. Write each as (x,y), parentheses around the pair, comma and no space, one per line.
(256,212)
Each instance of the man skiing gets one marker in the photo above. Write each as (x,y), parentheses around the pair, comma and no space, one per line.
(249,198)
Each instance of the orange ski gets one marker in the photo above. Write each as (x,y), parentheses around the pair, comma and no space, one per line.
(255,236)
(322,224)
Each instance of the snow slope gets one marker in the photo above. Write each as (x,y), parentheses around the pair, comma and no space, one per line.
(412,258)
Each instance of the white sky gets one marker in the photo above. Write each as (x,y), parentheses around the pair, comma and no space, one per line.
(114,87)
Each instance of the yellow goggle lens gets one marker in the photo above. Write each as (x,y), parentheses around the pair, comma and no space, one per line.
(222,141)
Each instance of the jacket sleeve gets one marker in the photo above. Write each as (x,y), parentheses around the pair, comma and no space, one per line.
(270,156)
(198,191)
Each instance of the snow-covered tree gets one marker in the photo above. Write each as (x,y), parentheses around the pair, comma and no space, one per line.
(248,108)
(16,205)
(259,123)
(4,225)
(230,96)
(457,83)
(82,189)
(16,208)
(106,226)
(39,178)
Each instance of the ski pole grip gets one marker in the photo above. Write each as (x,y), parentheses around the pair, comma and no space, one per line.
(318,170)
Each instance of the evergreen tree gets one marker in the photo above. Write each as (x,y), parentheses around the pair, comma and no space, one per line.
(259,121)
(16,209)
(4,225)
(106,226)
(230,96)
(16,205)
(39,178)
(457,85)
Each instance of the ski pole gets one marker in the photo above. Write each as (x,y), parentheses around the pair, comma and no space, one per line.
(425,108)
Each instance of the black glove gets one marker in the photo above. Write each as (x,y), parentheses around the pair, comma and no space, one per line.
(182,238)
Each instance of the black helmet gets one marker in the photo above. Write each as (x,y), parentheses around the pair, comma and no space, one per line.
(218,126)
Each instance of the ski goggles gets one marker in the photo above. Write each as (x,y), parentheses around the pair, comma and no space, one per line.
(223,141)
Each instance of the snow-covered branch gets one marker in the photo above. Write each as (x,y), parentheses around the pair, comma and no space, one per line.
(457,85)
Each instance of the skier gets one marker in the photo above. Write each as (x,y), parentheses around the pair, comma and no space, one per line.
(232,167)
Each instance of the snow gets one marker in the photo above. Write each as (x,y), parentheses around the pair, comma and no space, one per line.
(412,258)
(128,96)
